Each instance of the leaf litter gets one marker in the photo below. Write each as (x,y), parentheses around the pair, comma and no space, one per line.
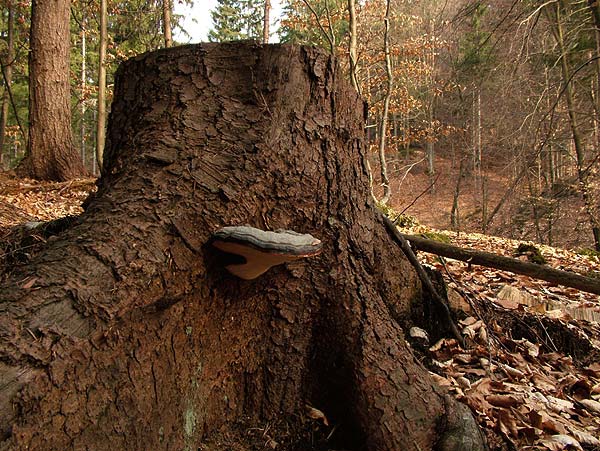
(531,370)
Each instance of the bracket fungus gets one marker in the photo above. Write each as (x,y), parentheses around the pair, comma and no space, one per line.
(263,249)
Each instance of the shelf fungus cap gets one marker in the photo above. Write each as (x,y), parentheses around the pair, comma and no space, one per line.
(263,249)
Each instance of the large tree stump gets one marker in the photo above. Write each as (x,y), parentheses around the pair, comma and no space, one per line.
(127,333)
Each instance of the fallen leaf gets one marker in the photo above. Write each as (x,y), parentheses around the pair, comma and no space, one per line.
(591,405)
(561,442)
(316,414)
(504,400)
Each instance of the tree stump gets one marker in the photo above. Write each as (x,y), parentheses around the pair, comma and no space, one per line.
(126,332)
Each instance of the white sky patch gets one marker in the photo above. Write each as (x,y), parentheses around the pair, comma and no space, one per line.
(197,21)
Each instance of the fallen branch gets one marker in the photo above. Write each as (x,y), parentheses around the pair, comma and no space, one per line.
(425,280)
(86,183)
(543,272)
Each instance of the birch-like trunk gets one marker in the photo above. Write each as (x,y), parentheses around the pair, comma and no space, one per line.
(7,77)
(387,192)
(101,119)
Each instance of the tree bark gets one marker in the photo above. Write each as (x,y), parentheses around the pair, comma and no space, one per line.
(126,332)
(101,117)
(82,131)
(7,77)
(266,21)
(167,23)
(52,154)
(387,191)
(352,45)
(471,256)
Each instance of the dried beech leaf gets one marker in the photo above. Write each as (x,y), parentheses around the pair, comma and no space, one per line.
(504,400)
(561,442)
(585,438)
(507,423)
(544,383)
(591,405)
(316,414)
(512,372)
(559,405)
(30,283)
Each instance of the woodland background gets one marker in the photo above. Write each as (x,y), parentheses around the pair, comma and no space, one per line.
(492,117)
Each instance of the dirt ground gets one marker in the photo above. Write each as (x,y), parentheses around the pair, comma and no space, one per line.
(412,193)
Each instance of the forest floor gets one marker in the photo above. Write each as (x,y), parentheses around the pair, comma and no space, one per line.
(564,224)
(531,368)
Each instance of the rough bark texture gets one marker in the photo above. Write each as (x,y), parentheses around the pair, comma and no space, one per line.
(127,333)
(6,76)
(51,153)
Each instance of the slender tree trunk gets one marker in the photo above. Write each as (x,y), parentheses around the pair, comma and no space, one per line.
(166,4)
(126,332)
(266,21)
(431,109)
(455,212)
(387,192)
(352,47)
(52,154)
(82,130)
(101,118)
(7,77)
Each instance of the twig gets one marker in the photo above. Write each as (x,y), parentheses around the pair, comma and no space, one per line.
(403,243)
(329,38)
(12,102)
(420,195)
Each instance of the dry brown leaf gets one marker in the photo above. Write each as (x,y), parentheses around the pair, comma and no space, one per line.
(542,420)
(316,414)
(29,283)
(561,442)
(544,383)
(585,438)
(591,405)
(559,405)
(504,400)
(507,423)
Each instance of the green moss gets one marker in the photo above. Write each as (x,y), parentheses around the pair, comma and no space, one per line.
(534,255)
(588,252)
(401,220)
(436,236)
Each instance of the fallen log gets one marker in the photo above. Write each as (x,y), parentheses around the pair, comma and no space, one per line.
(543,272)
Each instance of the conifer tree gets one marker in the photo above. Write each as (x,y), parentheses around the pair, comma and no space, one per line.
(236,19)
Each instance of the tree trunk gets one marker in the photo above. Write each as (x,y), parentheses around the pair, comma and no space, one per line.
(352,45)
(167,23)
(82,131)
(7,77)
(101,119)
(387,191)
(266,21)
(52,154)
(127,333)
